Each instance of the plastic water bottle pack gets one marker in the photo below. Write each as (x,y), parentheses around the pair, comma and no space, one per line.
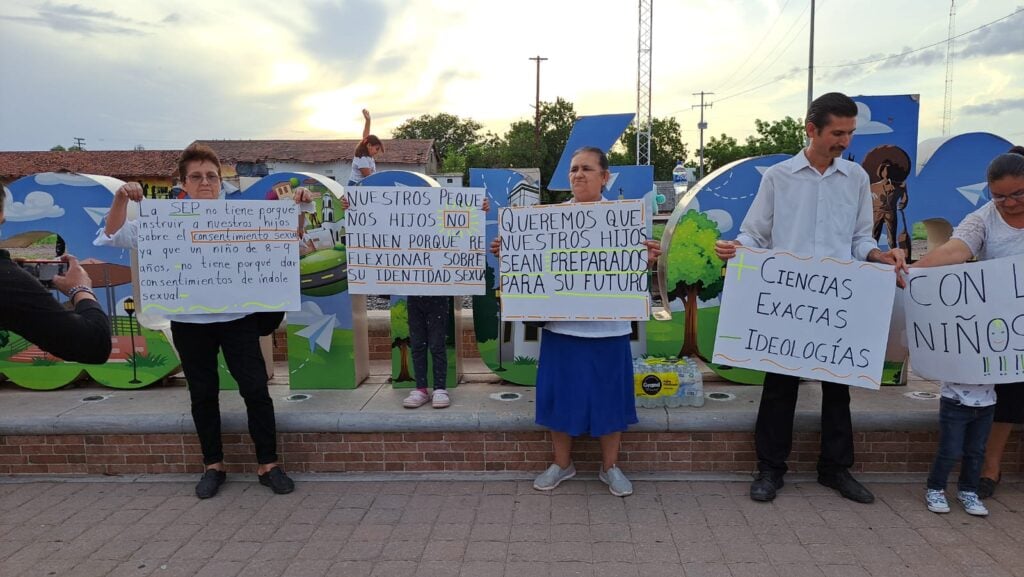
(671,382)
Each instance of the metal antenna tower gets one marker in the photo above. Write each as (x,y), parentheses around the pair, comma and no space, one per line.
(947,107)
(643,84)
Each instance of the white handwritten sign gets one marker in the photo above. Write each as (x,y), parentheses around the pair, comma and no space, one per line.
(218,256)
(584,261)
(965,323)
(820,318)
(415,241)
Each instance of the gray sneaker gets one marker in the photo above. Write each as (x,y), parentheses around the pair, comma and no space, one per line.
(617,482)
(553,476)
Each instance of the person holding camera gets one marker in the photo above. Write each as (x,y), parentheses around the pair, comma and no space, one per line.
(27,308)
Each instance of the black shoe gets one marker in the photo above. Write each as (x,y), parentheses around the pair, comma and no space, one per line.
(277,481)
(212,480)
(986,487)
(765,485)
(847,486)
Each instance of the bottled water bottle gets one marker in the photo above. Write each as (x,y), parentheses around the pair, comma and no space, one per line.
(679,178)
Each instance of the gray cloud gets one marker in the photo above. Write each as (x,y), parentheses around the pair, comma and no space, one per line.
(1000,39)
(172,18)
(345,33)
(80,19)
(993,107)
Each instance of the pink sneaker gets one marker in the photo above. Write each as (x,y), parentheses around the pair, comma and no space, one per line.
(416,399)
(441,400)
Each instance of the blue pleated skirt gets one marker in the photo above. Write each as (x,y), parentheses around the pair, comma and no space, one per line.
(585,385)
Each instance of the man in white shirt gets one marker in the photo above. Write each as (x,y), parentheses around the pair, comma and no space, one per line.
(816,203)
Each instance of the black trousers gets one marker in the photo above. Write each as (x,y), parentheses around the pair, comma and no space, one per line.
(773,433)
(198,345)
(428,328)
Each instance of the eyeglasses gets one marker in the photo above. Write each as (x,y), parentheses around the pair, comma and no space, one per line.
(1015,197)
(196,178)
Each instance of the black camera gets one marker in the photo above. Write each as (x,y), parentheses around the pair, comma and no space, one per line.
(43,270)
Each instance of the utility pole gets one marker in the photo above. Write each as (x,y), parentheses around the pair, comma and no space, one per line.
(810,63)
(947,105)
(701,126)
(643,84)
(79,142)
(536,121)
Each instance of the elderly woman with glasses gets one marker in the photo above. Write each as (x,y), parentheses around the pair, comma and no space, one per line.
(967,411)
(198,338)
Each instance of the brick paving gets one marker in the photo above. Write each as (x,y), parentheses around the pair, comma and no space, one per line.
(435,528)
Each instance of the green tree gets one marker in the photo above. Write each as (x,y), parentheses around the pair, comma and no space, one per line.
(784,136)
(400,336)
(667,147)
(58,148)
(693,271)
(722,150)
(451,134)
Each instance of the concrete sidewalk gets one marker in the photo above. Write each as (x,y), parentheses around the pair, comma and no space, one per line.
(477,405)
(154,526)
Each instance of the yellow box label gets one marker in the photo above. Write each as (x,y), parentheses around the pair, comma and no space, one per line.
(655,384)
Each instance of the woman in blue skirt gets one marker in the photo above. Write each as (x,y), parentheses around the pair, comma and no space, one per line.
(585,373)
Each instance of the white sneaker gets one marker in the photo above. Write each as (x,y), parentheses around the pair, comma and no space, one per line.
(417,398)
(553,476)
(440,399)
(972,504)
(617,482)
(936,500)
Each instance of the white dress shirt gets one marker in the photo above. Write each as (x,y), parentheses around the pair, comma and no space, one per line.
(809,213)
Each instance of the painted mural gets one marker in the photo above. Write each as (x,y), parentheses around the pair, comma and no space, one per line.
(73,207)
(322,348)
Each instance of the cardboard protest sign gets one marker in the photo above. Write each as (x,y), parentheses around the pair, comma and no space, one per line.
(415,241)
(575,261)
(820,318)
(218,256)
(965,323)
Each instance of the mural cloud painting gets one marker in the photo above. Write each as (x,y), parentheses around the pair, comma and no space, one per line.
(867,126)
(37,205)
(66,178)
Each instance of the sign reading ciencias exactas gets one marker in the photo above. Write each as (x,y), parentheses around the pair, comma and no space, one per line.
(415,241)
(820,318)
(218,256)
(965,323)
(575,261)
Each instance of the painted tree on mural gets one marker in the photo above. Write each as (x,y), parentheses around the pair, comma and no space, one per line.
(693,271)
(400,337)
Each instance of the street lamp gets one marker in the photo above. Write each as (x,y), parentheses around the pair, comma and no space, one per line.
(129,308)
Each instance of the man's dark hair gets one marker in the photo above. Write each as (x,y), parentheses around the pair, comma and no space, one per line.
(196,152)
(831,104)
(1005,165)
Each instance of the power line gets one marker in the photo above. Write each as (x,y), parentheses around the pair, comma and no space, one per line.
(883,58)
(758,67)
(750,54)
(789,74)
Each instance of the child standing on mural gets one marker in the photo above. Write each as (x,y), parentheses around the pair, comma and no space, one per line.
(199,338)
(363,163)
(966,411)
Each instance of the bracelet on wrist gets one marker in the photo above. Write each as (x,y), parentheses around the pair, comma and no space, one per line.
(79,289)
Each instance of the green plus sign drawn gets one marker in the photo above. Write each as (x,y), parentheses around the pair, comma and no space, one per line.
(739,266)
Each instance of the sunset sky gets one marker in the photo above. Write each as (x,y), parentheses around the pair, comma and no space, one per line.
(162,73)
